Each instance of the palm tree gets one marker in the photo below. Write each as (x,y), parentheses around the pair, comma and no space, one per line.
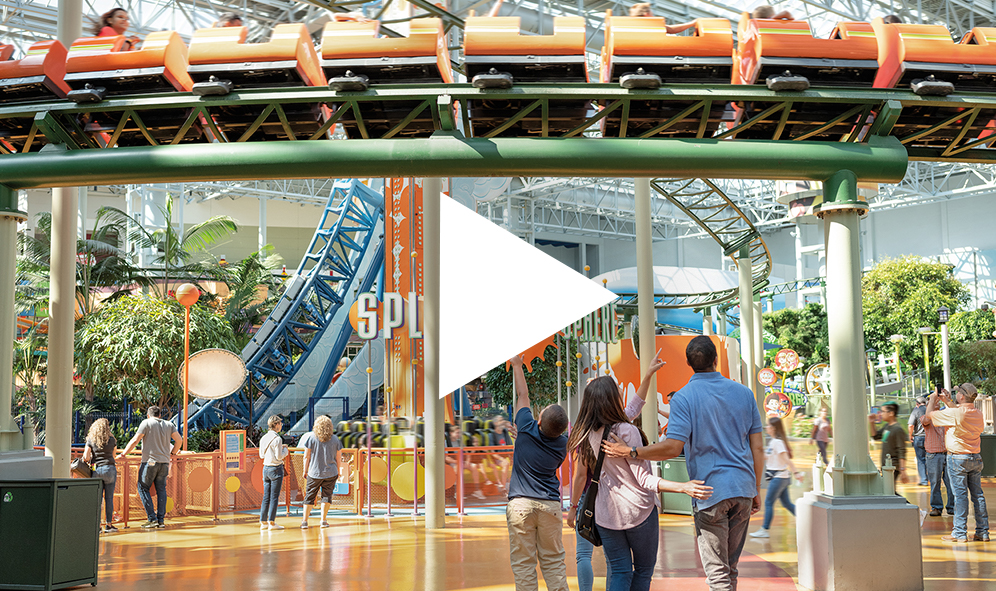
(244,307)
(178,255)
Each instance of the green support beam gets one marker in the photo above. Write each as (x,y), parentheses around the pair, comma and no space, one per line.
(880,160)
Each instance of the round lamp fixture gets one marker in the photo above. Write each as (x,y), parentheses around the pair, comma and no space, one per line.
(187,294)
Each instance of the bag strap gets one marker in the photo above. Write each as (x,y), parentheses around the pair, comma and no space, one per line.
(597,472)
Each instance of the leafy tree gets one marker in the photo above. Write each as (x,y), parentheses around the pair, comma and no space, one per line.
(542,381)
(901,295)
(805,331)
(133,348)
(30,366)
(179,255)
(974,362)
(971,326)
(245,306)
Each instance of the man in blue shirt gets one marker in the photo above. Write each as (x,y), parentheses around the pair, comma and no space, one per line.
(534,511)
(715,421)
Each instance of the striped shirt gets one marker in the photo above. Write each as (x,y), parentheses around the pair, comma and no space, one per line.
(934,441)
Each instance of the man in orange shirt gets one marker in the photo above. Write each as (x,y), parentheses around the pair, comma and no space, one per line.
(963,442)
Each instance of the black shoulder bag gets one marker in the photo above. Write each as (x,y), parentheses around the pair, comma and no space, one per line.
(585,523)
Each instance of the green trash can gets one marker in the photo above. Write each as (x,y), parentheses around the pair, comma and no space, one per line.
(675,503)
(988,446)
(48,532)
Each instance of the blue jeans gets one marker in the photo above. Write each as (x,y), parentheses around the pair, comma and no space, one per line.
(149,476)
(965,472)
(936,473)
(273,477)
(586,576)
(921,457)
(631,554)
(778,488)
(108,474)
(821,449)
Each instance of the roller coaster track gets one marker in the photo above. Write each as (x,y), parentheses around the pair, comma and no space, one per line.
(323,284)
(706,205)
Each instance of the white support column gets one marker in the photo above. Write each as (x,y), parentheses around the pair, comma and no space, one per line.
(946,356)
(645,299)
(800,269)
(61,321)
(747,324)
(262,224)
(81,215)
(435,475)
(758,336)
(9,216)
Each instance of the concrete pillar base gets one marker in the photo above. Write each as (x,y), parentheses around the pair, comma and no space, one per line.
(28,464)
(840,543)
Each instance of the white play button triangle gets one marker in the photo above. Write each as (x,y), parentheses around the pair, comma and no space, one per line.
(499,295)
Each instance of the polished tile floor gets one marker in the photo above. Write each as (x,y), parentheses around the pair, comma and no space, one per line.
(470,554)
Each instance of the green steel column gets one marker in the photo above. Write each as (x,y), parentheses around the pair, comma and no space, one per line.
(435,476)
(707,322)
(9,216)
(747,324)
(645,299)
(853,470)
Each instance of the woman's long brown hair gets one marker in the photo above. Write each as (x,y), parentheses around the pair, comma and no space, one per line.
(779,428)
(601,406)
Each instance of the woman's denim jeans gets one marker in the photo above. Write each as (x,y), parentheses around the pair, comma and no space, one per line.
(109,475)
(273,478)
(631,554)
(778,488)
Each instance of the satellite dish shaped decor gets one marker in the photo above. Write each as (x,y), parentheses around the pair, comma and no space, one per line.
(214,373)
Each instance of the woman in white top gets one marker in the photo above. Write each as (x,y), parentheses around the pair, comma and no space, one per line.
(627,501)
(273,451)
(778,467)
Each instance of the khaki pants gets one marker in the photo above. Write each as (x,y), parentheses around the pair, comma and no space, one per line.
(721,531)
(535,533)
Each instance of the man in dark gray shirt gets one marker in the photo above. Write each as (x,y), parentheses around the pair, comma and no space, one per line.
(155,434)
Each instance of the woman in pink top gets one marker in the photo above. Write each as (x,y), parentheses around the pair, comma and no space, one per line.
(626,506)
(115,22)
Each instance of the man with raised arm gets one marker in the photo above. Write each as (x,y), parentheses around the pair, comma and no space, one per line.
(715,421)
(534,511)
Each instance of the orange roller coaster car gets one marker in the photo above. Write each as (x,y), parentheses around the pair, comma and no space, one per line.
(643,42)
(421,57)
(39,74)
(159,66)
(769,47)
(355,55)
(910,52)
(221,57)
(497,55)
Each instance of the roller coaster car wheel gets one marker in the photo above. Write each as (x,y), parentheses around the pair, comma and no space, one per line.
(87,94)
(350,82)
(493,79)
(931,86)
(787,81)
(640,79)
(212,87)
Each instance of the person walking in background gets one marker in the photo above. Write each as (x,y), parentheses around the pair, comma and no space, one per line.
(917,438)
(534,513)
(626,507)
(893,440)
(937,472)
(322,454)
(154,433)
(715,421)
(779,469)
(115,22)
(99,453)
(821,433)
(964,444)
(273,451)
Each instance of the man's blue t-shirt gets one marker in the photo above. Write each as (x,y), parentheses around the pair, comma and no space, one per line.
(535,461)
(714,417)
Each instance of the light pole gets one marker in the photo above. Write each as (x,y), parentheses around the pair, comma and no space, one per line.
(897,339)
(187,294)
(942,316)
(924,331)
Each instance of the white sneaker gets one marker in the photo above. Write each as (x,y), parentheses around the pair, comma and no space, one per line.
(761,533)
(478,495)
(275,526)
(263,525)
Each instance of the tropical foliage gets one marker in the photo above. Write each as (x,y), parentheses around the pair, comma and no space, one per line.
(542,380)
(805,331)
(132,348)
